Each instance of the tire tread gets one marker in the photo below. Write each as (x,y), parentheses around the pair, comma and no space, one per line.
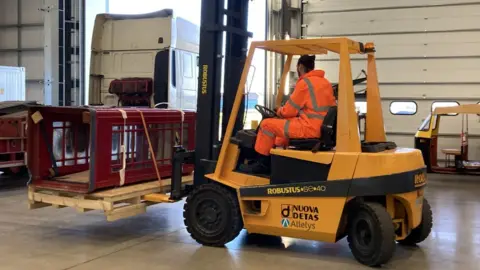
(236,224)
(387,231)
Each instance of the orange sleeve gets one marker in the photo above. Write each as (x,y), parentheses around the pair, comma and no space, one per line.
(296,102)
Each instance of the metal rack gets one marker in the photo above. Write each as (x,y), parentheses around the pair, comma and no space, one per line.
(64,52)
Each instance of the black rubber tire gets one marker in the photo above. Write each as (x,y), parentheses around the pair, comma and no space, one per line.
(212,215)
(420,233)
(379,246)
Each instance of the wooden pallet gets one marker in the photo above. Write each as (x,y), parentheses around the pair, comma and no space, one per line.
(117,203)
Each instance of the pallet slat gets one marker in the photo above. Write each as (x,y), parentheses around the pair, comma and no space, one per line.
(72,201)
(126,211)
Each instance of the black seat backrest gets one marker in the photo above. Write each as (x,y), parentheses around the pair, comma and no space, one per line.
(329,128)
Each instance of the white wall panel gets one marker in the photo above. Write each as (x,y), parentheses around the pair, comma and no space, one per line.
(339,5)
(33,63)
(434,91)
(32,37)
(31,12)
(9,38)
(417,70)
(8,59)
(8,12)
(422,45)
(395,20)
(35,91)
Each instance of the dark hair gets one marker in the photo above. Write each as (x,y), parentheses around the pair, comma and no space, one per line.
(308,61)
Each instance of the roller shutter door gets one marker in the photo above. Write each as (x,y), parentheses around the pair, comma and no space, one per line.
(427,51)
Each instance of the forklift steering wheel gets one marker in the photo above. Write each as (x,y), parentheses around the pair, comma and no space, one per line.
(265,112)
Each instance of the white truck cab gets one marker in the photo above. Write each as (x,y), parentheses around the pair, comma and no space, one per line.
(149,57)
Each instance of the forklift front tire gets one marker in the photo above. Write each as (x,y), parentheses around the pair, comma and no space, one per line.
(420,233)
(212,215)
(371,235)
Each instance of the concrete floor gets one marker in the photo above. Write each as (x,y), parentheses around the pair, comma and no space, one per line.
(63,239)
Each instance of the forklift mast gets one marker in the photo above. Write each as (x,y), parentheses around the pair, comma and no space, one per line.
(212,28)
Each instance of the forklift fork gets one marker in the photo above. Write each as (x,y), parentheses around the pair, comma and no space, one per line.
(180,157)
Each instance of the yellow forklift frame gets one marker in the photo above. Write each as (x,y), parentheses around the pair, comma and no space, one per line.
(348,139)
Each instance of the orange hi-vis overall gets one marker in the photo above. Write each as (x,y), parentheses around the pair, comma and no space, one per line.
(302,115)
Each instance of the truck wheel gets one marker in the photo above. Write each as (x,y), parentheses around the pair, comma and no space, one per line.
(371,235)
(212,215)
(421,232)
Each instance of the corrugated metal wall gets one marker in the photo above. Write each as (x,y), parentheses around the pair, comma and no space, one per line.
(31,36)
(428,51)
(21,41)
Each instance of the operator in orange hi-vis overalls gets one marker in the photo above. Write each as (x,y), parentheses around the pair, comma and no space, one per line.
(301,116)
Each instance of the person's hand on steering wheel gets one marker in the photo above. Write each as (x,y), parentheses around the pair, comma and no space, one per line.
(265,112)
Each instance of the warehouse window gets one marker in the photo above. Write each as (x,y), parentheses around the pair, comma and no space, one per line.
(403,108)
(445,104)
(361,106)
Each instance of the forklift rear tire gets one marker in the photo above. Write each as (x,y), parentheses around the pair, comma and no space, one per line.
(420,233)
(371,234)
(212,215)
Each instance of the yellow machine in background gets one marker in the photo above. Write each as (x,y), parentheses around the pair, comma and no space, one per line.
(320,188)
(456,160)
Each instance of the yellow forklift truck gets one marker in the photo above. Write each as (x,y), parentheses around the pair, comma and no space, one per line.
(319,188)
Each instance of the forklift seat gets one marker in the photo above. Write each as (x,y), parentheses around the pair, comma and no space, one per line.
(327,141)
(328,137)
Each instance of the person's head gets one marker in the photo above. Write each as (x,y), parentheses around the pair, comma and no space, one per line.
(305,64)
